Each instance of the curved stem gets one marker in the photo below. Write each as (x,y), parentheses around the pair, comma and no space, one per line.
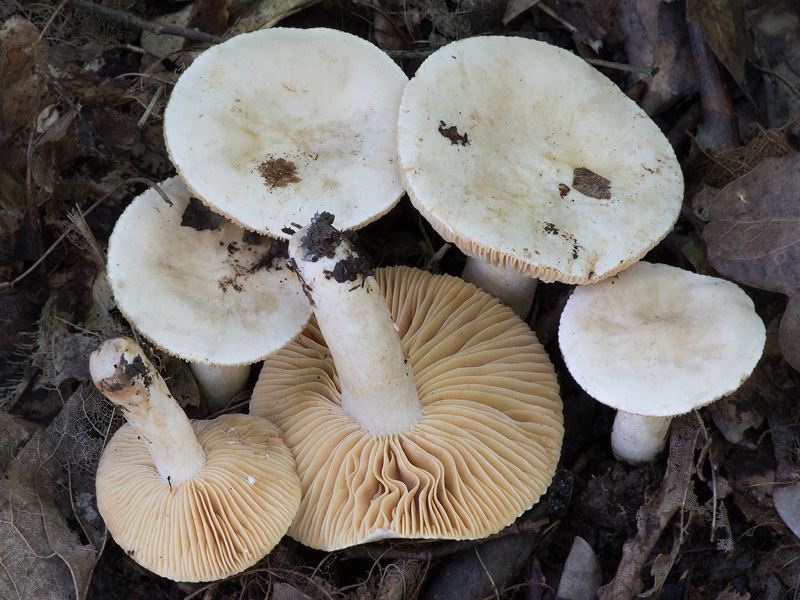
(123,374)
(375,376)
(513,288)
(637,439)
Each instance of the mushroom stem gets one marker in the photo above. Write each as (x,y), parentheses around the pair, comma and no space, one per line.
(218,384)
(375,376)
(638,439)
(506,283)
(125,376)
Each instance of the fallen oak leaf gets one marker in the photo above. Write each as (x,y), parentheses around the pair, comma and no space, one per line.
(753,236)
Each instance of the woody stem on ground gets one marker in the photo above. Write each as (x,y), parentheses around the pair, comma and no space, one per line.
(375,376)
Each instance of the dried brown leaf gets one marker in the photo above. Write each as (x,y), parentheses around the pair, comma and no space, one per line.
(723,26)
(18,38)
(655,34)
(753,234)
(46,490)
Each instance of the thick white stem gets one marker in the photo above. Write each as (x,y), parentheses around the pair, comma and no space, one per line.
(377,383)
(123,374)
(637,439)
(506,283)
(218,384)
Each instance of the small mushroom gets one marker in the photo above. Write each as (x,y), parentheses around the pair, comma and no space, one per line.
(188,500)
(213,296)
(416,405)
(657,341)
(273,126)
(534,164)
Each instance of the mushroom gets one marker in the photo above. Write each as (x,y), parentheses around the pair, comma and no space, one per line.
(416,405)
(212,297)
(188,500)
(534,164)
(272,126)
(657,341)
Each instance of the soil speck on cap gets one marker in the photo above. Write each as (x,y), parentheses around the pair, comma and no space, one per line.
(451,133)
(199,217)
(322,239)
(278,172)
(589,183)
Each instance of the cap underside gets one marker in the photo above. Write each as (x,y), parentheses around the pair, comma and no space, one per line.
(209,527)
(483,452)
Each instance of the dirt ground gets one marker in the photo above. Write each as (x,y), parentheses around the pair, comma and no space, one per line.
(717,516)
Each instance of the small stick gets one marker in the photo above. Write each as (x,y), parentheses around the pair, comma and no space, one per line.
(132,21)
(718,115)
(598,62)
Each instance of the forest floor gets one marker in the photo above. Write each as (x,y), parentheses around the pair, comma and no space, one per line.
(717,516)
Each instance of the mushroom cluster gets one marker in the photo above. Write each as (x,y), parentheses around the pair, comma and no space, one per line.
(448,424)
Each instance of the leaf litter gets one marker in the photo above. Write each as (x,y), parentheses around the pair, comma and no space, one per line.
(81,114)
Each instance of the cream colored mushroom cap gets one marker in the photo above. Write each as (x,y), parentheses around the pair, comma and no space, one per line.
(659,341)
(214,525)
(273,126)
(483,452)
(523,155)
(205,296)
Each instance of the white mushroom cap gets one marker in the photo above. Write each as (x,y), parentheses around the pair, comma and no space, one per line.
(660,341)
(525,156)
(204,296)
(273,126)
(482,452)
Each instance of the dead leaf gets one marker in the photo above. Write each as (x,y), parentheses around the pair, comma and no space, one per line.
(210,16)
(47,489)
(723,27)
(516,8)
(161,45)
(17,59)
(655,35)
(251,15)
(753,236)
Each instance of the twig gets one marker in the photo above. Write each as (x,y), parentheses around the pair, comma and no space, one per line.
(649,71)
(718,114)
(133,22)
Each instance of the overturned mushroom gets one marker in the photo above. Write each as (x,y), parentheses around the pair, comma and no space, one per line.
(416,405)
(188,500)
(534,164)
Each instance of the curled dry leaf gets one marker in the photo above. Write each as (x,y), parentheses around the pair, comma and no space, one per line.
(753,236)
